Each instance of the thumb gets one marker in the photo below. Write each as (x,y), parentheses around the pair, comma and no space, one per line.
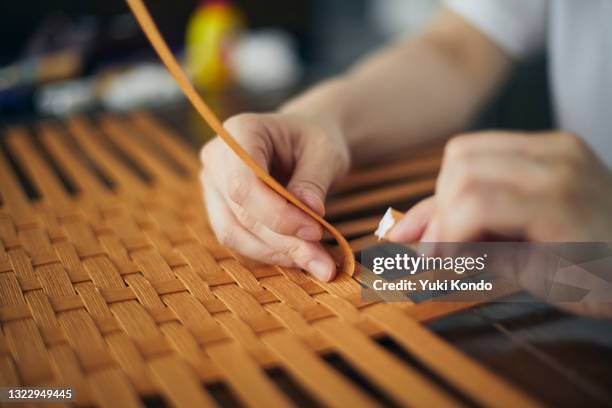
(414,224)
(313,175)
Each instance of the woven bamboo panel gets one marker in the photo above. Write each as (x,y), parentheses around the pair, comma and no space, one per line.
(112,283)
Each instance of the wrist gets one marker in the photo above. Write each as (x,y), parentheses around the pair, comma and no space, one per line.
(326,104)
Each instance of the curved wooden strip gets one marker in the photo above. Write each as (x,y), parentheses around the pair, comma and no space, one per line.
(160,46)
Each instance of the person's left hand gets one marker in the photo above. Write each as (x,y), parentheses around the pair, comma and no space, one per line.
(537,187)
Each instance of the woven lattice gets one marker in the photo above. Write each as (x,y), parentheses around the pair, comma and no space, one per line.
(111,282)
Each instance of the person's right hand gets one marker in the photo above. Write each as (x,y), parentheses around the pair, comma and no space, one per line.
(249,217)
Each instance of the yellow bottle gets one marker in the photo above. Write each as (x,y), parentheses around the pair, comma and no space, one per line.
(210,32)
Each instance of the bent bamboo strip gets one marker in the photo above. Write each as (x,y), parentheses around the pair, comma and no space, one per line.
(160,46)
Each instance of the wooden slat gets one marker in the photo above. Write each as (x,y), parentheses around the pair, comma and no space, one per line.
(80,174)
(246,377)
(315,375)
(178,383)
(359,226)
(41,175)
(124,136)
(410,168)
(461,371)
(401,382)
(167,139)
(13,196)
(380,197)
(110,387)
(89,139)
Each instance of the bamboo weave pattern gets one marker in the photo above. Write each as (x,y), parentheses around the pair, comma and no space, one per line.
(111,282)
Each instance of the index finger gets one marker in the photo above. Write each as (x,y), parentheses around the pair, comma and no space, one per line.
(239,185)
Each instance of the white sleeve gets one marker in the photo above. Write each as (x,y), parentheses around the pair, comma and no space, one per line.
(518,27)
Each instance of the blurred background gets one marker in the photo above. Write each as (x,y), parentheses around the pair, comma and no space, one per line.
(65,57)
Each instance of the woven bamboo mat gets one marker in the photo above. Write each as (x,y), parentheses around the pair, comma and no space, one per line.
(111,282)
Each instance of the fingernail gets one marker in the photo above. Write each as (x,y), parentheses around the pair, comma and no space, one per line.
(319,269)
(309,233)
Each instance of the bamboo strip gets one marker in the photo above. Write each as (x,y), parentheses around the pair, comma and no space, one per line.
(473,379)
(160,46)
(380,197)
(246,377)
(410,168)
(401,382)
(169,141)
(330,387)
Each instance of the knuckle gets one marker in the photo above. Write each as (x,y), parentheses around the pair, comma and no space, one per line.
(278,221)
(570,140)
(467,172)
(532,183)
(206,151)
(565,174)
(564,183)
(458,146)
(226,237)
(334,152)
(476,201)
(573,146)
(238,190)
(279,258)
(243,122)
(468,183)
(245,218)
(296,250)
(342,162)
(310,186)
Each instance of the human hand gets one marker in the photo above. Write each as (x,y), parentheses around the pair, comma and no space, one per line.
(249,217)
(547,188)
(542,188)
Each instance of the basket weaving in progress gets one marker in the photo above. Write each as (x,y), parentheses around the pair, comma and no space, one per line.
(112,283)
